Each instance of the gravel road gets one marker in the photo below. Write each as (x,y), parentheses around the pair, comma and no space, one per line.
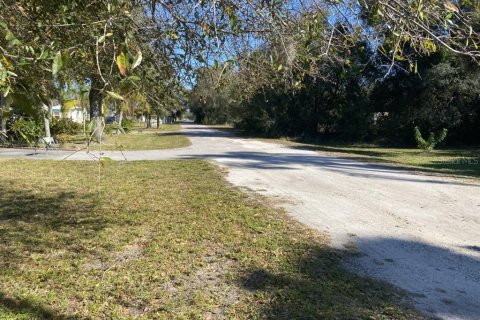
(418,232)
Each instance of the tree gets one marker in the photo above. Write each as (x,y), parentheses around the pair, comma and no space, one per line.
(214,99)
(285,44)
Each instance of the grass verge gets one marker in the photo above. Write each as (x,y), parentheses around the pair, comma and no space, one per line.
(166,137)
(456,162)
(140,127)
(142,139)
(164,240)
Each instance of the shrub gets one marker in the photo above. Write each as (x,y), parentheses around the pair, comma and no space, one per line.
(127,125)
(433,139)
(65,126)
(110,128)
(62,138)
(29,130)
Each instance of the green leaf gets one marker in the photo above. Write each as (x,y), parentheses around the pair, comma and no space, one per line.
(115,95)
(7,91)
(475,44)
(199,58)
(9,36)
(91,126)
(57,65)
(3,74)
(12,41)
(43,55)
(233,20)
(103,37)
(134,78)
(138,60)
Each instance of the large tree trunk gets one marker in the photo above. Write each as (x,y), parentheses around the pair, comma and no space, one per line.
(158,121)
(3,117)
(96,101)
(149,120)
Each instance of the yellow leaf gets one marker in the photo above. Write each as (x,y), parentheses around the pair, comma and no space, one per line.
(122,63)
(6,62)
(450,6)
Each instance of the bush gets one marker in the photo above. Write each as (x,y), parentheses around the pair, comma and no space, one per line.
(433,139)
(113,127)
(65,126)
(62,138)
(29,130)
(127,125)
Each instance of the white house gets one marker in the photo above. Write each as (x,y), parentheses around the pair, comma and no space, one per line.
(76,114)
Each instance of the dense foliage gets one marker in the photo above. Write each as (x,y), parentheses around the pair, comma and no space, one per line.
(295,67)
(356,93)
(65,126)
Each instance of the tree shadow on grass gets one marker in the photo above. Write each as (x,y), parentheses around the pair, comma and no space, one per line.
(336,149)
(465,167)
(344,166)
(315,286)
(464,162)
(31,309)
(200,133)
(36,224)
(459,162)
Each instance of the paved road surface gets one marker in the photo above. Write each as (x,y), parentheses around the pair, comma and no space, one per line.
(419,232)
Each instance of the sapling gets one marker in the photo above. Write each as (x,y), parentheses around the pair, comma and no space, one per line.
(432,141)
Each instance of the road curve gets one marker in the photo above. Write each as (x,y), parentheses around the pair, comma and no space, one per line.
(419,232)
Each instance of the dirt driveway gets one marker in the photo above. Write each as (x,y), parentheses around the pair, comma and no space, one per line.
(421,233)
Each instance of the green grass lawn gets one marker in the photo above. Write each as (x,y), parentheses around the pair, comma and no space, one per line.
(164,240)
(166,137)
(141,139)
(458,162)
(140,126)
